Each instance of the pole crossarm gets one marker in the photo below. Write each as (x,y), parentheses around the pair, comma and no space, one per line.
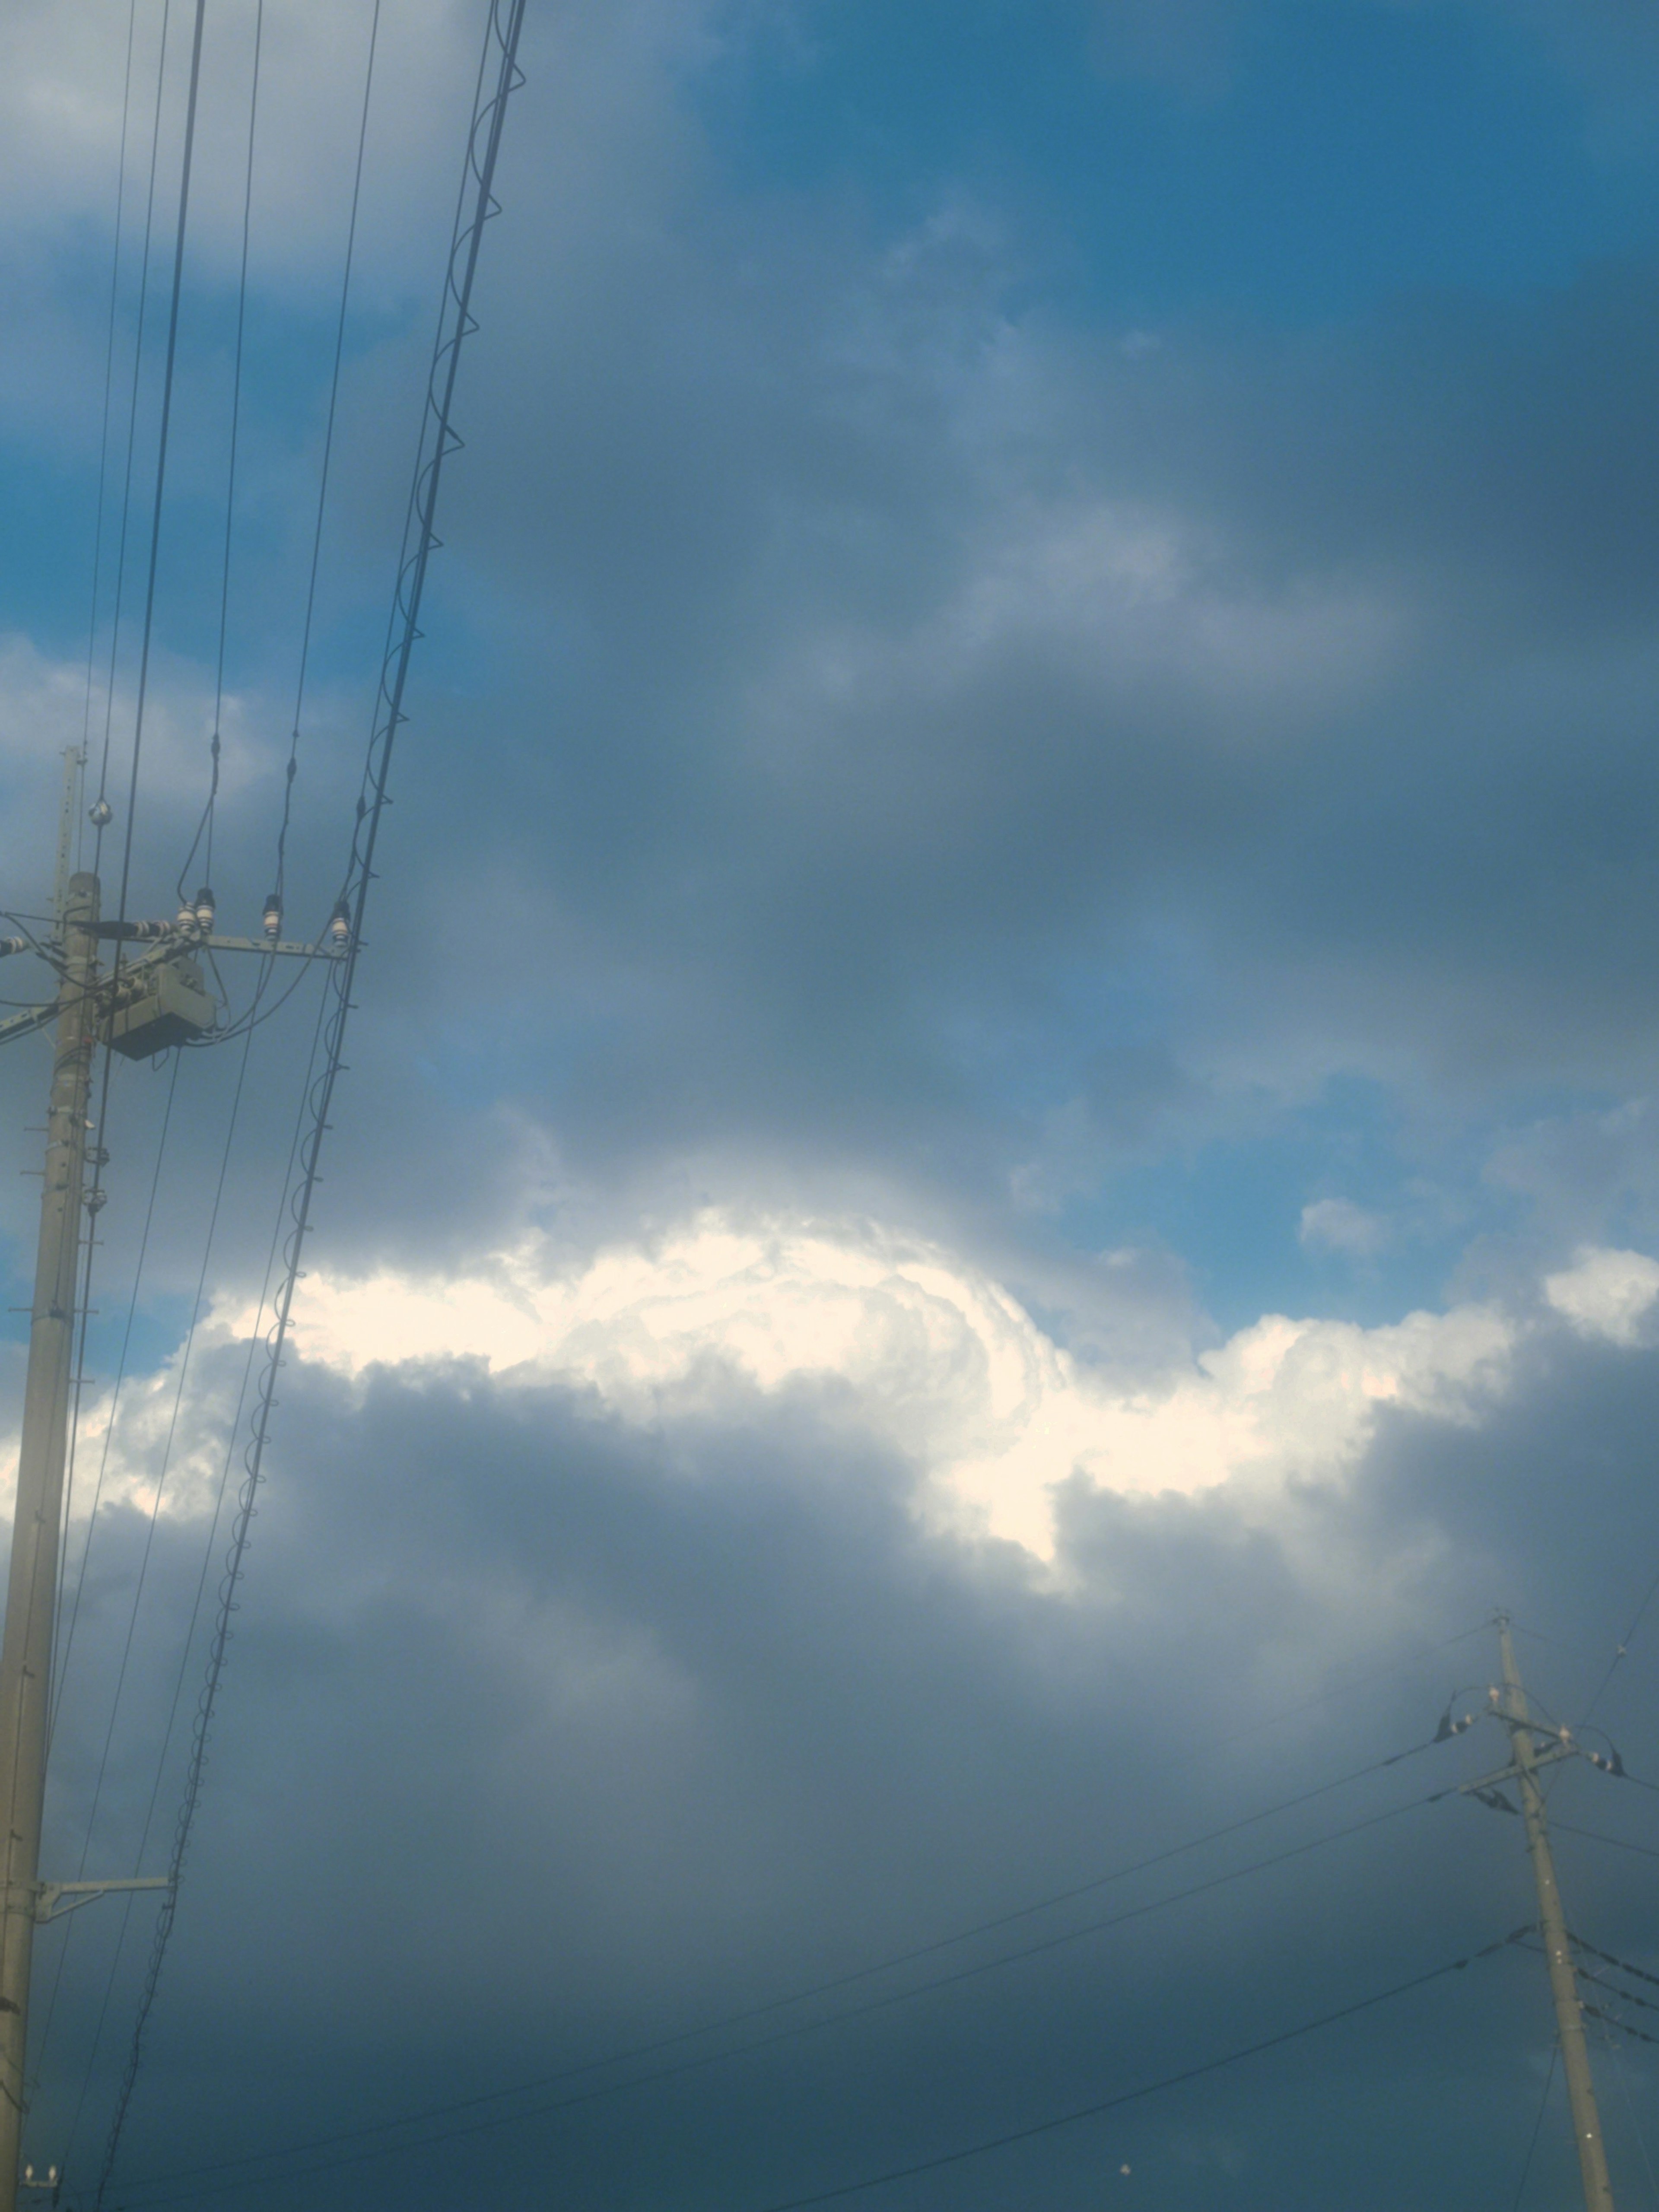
(279,948)
(25,1024)
(52,1899)
(166,940)
(1513,1772)
(169,937)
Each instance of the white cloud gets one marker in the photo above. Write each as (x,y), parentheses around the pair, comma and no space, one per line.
(1606,1293)
(1341,1226)
(923,1349)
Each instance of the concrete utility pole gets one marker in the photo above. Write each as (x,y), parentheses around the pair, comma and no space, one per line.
(1513,1712)
(32,1589)
(149,1003)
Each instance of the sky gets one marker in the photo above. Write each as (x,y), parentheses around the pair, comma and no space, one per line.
(999,1175)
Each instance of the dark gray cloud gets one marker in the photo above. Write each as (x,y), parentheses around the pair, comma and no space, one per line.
(545,1737)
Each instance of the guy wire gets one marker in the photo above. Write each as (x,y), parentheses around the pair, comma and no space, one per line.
(502,30)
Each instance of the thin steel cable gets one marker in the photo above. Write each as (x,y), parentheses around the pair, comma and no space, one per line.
(502,29)
(132,431)
(209,1547)
(1623,1647)
(1593,1836)
(61,1672)
(1131,2096)
(147,632)
(1629,2107)
(1537,2127)
(293,768)
(1018,2135)
(109,384)
(204,828)
(216,1656)
(863,2010)
(184,1660)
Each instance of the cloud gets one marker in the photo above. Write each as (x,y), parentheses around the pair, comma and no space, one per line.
(911,1345)
(1338,1224)
(1607,1294)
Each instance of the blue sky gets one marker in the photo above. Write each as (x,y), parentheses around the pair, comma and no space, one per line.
(999,1133)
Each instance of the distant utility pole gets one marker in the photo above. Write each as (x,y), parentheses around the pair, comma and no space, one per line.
(147,1003)
(1531,1747)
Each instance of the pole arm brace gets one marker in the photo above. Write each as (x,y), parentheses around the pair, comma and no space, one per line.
(52,1899)
(1512,1772)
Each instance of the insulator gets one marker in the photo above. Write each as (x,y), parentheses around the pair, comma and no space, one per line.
(273,916)
(100,814)
(186,916)
(10,945)
(339,923)
(204,907)
(95,1201)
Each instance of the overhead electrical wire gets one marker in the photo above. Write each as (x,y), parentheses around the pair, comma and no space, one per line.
(101,813)
(204,828)
(1592,1835)
(109,384)
(863,2010)
(1148,2089)
(1623,1647)
(475,203)
(1537,2127)
(66,1642)
(978,2149)
(170,361)
(292,769)
(163,1472)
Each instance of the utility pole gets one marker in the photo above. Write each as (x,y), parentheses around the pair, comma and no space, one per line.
(147,1004)
(31,1587)
(1564,1979)
(1510,1706)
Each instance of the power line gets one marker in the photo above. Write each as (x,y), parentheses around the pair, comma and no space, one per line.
(1537,2126)
(1593,1836)
(216,1655)
(171,358)
(184,1360)
(865,2011)
(1148,2089)
(438,439)
(1623,1647)
(292,769)
(102,810)
(205,827)
(109,380)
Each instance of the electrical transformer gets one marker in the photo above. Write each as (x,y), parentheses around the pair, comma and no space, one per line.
(162,1004)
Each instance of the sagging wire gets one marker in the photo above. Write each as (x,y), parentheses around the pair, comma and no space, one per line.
(207,1549)
(438,439)
(293,768)
(101,813)
(109,390)
(147,632)
(204,828)
(865,2009)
